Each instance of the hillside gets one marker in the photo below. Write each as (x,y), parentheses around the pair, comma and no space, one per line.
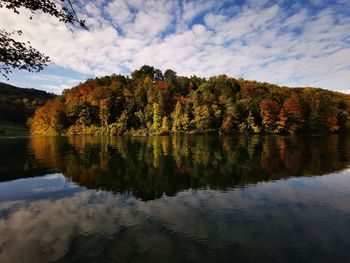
(18,104)
(152,102)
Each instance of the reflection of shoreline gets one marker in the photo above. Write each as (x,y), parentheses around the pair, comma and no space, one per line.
(18,161)
(152,166)
(94,226)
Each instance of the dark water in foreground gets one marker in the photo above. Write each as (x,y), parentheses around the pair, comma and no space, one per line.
(175,199)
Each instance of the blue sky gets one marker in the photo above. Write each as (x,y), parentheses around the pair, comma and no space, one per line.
(292,43)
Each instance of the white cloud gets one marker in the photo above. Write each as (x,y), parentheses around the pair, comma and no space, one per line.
(119,12)
(296,20)
(53,83)
(266,42)
(192,9)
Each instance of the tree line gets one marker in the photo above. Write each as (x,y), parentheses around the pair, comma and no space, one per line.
(151,102)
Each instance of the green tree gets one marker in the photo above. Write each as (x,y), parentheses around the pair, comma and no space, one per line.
(104,112)
(122,123)
(251,125)
(157,117)
(202,120)
(177,117)
(165,125)
(170,76)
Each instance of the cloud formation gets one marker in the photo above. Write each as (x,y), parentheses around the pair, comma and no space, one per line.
(304,43)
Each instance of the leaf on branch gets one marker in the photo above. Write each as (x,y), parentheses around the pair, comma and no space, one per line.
(65,14)
(18,55)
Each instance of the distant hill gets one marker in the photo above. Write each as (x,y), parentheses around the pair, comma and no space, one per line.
(18,104)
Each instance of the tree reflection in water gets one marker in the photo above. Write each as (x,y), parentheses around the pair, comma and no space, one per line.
(152,166)
(175,199)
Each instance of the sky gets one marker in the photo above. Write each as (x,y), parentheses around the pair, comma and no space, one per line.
(291,43)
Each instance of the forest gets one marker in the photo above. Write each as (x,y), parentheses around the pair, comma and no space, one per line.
(151,102)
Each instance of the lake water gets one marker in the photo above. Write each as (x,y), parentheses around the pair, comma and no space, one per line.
(175,199)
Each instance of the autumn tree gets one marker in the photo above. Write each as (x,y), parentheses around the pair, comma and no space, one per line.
(293,118)
(282,122)
(270,110)
(49,119)
(227,125)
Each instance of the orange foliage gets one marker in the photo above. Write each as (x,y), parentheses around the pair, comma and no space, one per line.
(162,85)
(227,125)
(270,110)
(180,99)
(292,108)
(47,118)
(282,121)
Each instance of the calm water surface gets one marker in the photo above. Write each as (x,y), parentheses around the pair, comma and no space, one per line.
(175,199)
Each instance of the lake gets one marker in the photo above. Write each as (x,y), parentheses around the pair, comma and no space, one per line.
(175,199)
